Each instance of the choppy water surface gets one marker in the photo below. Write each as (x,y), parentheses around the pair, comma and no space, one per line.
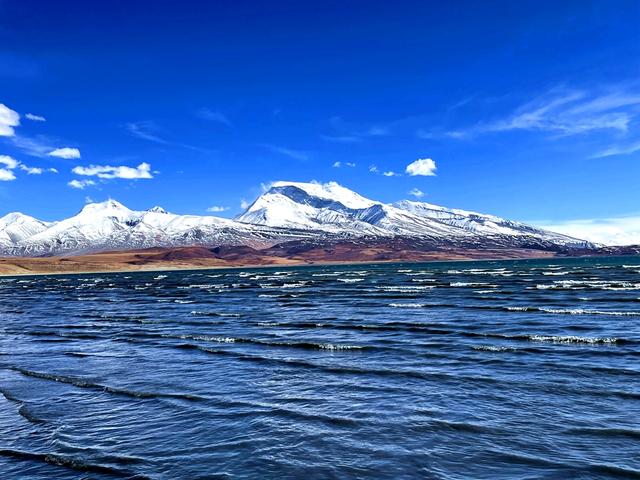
(527,369)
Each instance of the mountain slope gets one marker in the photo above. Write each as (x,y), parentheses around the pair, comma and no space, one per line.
(332,208)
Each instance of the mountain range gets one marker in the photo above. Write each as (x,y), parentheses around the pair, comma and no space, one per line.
(288,213)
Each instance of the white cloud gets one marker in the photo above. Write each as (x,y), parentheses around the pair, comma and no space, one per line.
(373,168)
(610,231)
(8,120)
(424,167)
(345,164)
(217,209)
(35,118)
(31,170)
(107,172)
(416,193)
(65,152)
(244,204)
(9,162)
(214,116)
(391,174)
(6,175)
(81,184)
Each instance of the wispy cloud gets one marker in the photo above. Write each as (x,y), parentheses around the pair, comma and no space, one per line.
(391,173)
(217,209)
(146,130)
(142,171)
(35,118)
(626,149)
(623,230)
(150,131)
(9,119)
(81,184)
(563,112)
(65,152)
(287,152)
(244,204)
(341,138)
(422,167)
(36,147)
(343,164)
(416,193)
(348,132)
(214,116)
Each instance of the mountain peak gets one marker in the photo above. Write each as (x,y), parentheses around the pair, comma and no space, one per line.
(327,191)
(106,206)
(13,217)
(157,209)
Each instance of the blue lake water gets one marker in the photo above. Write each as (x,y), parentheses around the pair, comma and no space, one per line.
(514,370)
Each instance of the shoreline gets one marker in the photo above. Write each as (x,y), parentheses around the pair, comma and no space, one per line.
(286,263)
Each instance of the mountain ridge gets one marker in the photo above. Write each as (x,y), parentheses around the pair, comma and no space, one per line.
(309,213)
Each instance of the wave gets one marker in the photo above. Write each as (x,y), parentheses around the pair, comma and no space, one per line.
(268,343)
(493,348)
(605,432)
(407,305)
(472,284)
(583,311)
(70,463)
(574,339)
(81,382)
(199,313)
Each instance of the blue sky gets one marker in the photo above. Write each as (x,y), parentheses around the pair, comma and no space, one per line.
(529,110)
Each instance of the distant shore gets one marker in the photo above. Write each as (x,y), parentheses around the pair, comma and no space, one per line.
(198,258)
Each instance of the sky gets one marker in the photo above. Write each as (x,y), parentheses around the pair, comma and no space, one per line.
(529,110)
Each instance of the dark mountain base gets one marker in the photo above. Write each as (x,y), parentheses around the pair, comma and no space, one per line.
(291,253)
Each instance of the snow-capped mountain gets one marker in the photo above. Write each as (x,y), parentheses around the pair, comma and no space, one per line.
(288,211)
(16,227)
(112,226)
(335,209)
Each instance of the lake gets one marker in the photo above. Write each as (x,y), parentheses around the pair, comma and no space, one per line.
(496,369)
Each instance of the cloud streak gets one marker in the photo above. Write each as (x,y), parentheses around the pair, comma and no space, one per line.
(214,116)
(107,172)
(563,112)
(35,118)
(288,152)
